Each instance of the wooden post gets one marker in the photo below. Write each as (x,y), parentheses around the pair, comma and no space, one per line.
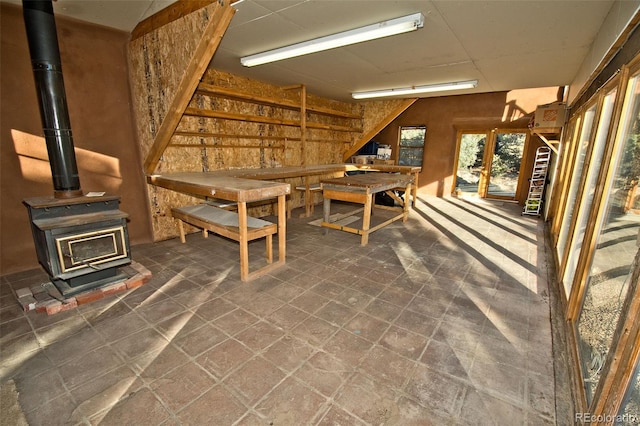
(269,240)
(366,219)
(282,228)
(303,123)
(407,202)
(243,240)
(181,229)
(326,211)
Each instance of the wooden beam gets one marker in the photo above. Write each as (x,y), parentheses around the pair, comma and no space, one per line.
(167,15)
(380,125)
(211,145)
(303,123)
(202,56)
(230,135)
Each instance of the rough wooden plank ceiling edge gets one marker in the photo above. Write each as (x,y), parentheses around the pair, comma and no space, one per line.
(207,46)
(169,14)
(380,123)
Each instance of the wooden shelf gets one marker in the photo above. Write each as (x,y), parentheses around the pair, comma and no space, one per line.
(206,113)
(549,135)
(211,90)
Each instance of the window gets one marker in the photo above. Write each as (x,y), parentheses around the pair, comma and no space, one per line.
(577,234)
(611,267)
(411,145)
(583,146)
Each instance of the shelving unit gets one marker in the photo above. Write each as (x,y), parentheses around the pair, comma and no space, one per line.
(538,181)
(245,113)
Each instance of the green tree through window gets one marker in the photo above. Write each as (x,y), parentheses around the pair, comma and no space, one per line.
(411,145)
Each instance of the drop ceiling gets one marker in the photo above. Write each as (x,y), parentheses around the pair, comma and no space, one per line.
(505,45)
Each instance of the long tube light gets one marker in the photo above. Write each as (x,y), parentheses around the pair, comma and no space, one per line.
(370,32)
(403,91)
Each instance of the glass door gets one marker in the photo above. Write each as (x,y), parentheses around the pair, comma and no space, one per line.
(470,172)
(506,161)
(488,163)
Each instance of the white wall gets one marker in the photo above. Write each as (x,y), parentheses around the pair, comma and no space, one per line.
(620,14)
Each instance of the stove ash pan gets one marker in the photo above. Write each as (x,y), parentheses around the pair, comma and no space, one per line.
(80,241)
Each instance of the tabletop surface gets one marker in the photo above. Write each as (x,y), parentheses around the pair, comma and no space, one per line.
(370,181)
(248,184)
(211,184)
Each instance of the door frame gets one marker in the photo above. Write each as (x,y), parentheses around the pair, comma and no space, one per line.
(487,161)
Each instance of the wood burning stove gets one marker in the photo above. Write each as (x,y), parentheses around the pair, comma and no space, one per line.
(80,240)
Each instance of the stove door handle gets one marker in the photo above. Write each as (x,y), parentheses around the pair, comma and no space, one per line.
(83,262)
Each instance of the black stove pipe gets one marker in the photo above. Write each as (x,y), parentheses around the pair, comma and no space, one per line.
(47,72)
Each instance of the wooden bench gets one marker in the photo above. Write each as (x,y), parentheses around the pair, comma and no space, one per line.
(227,224)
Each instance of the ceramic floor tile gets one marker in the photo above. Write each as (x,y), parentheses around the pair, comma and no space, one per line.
(260,335)
(287,317)
(443,319)
(91,364)
(200,340)
(404,342)
(291,403)
(367,326)
(141,342)
(182,385)
(386,367)
(347,347)
(436,391)
(140,407)
(225,357)
(103,392)
(442,357)
(288,353)
(337,416)
(369,400)
(235,321)
(152,365)
(254,379)
(336,313)
(324,373)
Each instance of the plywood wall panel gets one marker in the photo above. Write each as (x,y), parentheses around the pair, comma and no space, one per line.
(158,61)
(227,131)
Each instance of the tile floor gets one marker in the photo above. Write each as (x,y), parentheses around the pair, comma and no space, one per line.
(444,319)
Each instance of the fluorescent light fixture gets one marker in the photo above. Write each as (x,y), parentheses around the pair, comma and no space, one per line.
(370,32)
(456,85)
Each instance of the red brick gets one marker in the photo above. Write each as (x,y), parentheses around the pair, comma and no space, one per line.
(89,296)
(114,288)
(141,270)
(53,307)
(135,282)
(57,307)
(43,306)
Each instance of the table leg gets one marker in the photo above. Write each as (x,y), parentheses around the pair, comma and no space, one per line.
(243,240)
(326,210)
(407,203)
(415,188)
(366,220)
(282,228)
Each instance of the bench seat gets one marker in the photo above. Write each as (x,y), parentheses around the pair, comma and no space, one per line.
(227,224)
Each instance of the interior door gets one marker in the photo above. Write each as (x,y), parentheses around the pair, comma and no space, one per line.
(488,164)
